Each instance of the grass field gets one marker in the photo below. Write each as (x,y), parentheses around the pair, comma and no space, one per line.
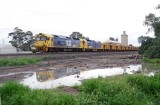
(18,61)
(118,90)
(153,61)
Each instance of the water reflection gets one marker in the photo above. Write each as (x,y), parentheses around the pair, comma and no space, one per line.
(43,76)
(150,69)
(47,75)
(146,67)
(72,76)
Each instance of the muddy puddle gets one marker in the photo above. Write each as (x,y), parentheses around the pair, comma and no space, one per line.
(26,74)
(52,78)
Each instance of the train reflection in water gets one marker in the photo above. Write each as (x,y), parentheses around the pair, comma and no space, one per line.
(73,76)
(47,75)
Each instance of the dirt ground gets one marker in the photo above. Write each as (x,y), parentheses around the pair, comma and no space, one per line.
(77,60)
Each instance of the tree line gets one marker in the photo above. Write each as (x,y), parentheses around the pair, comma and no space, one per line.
(150,47)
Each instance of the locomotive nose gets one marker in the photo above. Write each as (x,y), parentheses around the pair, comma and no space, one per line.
(39,44)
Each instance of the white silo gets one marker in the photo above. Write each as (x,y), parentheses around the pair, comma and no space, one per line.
(124,38)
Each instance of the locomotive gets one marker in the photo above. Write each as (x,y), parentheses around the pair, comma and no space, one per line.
(59,43)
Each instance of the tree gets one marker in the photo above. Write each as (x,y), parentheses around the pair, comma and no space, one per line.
(150,47)
(21,40)
(146,42)
(158,7)
(77,35)
(142,39)
(153,23)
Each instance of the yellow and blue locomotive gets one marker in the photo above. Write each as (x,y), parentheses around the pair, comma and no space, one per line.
(59,43)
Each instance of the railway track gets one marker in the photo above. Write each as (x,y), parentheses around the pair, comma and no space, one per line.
(67,53)
(23,54)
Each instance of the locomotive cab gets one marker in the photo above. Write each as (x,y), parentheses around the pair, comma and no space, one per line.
(42,42)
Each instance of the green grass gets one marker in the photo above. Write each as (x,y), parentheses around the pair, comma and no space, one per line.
(113,91)
(149,85)
(18,61)
(13,93)
(118,90)
(153,61)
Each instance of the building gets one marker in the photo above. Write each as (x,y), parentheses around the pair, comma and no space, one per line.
(7,49)
(124,38)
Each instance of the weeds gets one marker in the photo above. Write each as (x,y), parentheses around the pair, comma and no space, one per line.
(17,61)
(153,61)
(119,90)
(13,93)
(149,85)
(114,92)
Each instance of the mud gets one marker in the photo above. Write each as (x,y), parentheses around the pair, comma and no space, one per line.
(77,61)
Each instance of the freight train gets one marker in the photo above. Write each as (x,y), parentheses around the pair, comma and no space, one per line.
(59,43)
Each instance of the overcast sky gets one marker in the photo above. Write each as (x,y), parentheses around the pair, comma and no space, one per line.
(96,19)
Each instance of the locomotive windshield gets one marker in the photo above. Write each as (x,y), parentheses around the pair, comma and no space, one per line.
(37,38)
(43,38)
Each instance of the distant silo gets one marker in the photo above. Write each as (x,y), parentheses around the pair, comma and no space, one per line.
(124,38)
